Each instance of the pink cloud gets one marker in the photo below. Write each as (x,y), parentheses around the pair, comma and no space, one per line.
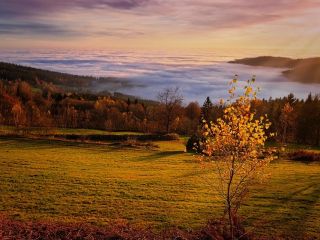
(239,13)
(163,14)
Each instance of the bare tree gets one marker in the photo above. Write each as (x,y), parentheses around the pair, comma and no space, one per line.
(171,100)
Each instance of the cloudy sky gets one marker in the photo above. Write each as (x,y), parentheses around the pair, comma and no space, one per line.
(290,27)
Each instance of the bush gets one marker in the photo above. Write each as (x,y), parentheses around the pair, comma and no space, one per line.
(194,144)
(133,143)
(304,156)
(120,138)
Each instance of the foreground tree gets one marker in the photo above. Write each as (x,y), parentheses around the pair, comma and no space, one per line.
(235,143)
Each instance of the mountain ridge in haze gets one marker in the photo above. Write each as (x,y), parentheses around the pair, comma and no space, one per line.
(11,72)
(305,70)
(65,82)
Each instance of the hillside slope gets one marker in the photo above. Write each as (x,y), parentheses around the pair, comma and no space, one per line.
(300,70)
(34,76)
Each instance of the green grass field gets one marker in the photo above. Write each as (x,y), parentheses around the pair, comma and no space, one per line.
(63,181)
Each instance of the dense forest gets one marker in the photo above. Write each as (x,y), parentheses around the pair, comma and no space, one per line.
(44,104)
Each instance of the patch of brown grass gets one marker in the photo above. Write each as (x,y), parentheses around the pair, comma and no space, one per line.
(18,230)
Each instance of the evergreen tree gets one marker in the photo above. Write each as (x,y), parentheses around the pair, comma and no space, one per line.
(207,110)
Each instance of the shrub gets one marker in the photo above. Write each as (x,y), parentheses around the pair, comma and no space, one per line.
(194,144)
(171,136)
(120,138)
(133,143)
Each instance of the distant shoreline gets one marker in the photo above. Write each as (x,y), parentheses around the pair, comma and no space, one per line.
(305,70)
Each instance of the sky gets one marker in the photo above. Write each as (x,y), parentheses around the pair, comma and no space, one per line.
(278,27)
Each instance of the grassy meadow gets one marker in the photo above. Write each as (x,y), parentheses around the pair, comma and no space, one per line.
(99,184)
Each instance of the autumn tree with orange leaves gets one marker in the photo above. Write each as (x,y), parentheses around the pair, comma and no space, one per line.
(235,143)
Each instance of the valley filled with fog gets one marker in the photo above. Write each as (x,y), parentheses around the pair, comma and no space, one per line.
(197,75)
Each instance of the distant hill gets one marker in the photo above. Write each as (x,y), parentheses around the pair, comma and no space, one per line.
(34,76)
(301,70)
(69,82)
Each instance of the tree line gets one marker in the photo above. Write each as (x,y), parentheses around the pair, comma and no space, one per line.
(25,105)
(293,120)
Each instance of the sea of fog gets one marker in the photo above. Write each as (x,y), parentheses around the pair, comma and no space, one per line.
(198,75)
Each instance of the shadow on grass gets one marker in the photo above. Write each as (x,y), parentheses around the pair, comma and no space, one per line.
(159,155)
(295,210)
(308,202)
(33,143)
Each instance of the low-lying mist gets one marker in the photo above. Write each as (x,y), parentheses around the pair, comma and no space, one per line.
(145,74)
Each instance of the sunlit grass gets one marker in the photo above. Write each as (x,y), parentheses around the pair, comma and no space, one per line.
(41,179)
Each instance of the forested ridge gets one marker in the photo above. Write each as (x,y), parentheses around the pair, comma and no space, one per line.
(35,77)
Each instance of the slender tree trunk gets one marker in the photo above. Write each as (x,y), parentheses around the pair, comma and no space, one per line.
(230,218)
(229,204)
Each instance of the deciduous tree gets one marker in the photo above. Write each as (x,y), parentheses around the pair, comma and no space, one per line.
(171,100)
(235,143)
